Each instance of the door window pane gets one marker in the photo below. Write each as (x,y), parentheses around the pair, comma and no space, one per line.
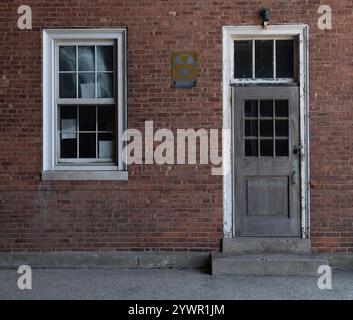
(250,128)
(266,128)
(282,128)
(264,58)
(251,148)
(281,108)
(282,148)
(266,148)
(250,108)
(266,108)
(86,58)
(243,59)
(67,85)
(285,58)
(105,58)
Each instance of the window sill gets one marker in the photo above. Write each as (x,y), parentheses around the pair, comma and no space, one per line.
(84,175)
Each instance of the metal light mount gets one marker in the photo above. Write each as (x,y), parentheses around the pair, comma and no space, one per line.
(265,17)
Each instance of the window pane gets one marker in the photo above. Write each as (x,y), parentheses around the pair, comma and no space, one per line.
(87,145)
(281,108)
(105,85)
(266,128)
(243,59)
(285,58)
(87,116)
(67,85)
(105,145)
(105,58)
(266,148)
(282,148)
(282,129)
(250,128)
(86,85)
(68,115)
(67,58)
(251,148)
(266,108)
(264,58)
(106,118)
(68,145)
(250,108)
(86,58)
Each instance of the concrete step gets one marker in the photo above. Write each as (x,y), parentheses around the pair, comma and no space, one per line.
(266,264)
(247,245)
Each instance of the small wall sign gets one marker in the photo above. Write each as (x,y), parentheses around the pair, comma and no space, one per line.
(184,69)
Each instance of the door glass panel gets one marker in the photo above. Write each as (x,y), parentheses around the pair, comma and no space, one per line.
(282,128)
(285,58)
(281,107)
(251,128)
(243,59)
(251,148)
(264,58)
(250,108)
(282,147)
(266,128)
(266,108)
(266,148)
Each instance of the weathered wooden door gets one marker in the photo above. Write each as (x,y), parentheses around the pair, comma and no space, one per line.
(266,156)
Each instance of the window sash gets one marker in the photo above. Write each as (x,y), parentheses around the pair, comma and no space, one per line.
(81,162)
(274,52)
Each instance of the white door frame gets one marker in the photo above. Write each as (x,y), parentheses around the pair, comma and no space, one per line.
(229,34)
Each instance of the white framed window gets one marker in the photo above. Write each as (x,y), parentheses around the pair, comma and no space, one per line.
(84,104)
(266,59)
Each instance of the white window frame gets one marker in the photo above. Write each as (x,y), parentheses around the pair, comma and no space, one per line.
(229,34)
(58,171)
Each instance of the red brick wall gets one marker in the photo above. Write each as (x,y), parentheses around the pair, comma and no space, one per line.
(164,207)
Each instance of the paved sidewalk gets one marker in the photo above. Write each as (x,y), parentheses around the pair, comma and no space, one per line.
(167,284)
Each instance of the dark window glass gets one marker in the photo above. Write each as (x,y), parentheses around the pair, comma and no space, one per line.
(285,58)
(86,87)
(87,116)
(264,58)
(251,128)
(105,85)
(266,128)
(68,116)
(243,59)
(251,148)
(250,108)
(105,145)
(106,118)
(282,129)
(281,148)
(87,145)
(281,108)
(266,108)
(266,148)
(86,58)
(67,58)
(68,145)
(105,58)
(67,85)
